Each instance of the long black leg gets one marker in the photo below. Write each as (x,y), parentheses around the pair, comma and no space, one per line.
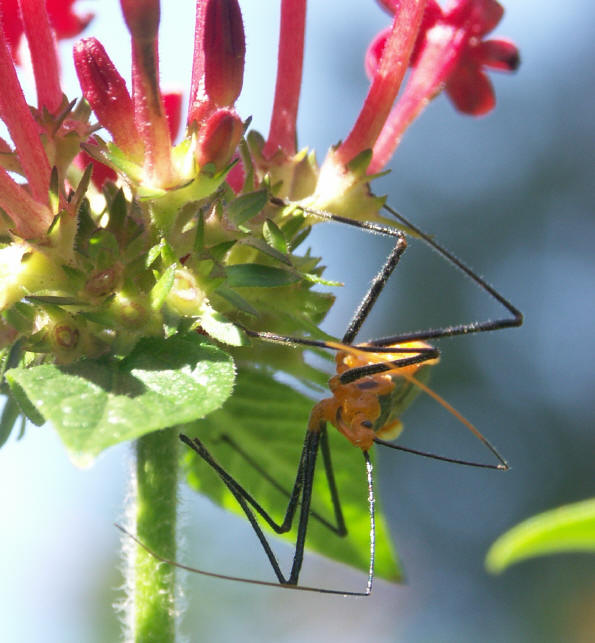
(332,485)
(418,354)
(302,487)
(310,453)
(238,490)
(374,291)
(339,528)
(371,509)
(516,318)
(239,579)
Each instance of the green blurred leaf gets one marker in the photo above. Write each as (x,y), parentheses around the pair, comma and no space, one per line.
(247,206)
(94,404)
(570,528)
(266,249)
(254,275)
(274,237)
(10,414)
(268,421)
(220,328)
(161,289)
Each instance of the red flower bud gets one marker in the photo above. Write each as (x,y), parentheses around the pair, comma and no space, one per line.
(219,50)
(225,48)
(106,92)
(218,138)
(172,101)
(44,58)
(142,18)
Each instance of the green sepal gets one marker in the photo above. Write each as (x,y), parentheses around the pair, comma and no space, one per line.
(253,275)
(220,328)
(236,300)
(25,404)
(10,414)
(247,206)
(274,236)
(103,249)
(20,316)
(265,248)
(162,288)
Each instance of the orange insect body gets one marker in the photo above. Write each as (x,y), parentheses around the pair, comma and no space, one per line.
(369,406)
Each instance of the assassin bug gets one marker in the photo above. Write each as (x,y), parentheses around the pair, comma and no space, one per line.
(375,381)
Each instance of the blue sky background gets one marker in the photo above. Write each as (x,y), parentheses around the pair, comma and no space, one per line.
(512,194)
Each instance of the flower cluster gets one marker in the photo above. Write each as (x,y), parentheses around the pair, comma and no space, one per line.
(107,239)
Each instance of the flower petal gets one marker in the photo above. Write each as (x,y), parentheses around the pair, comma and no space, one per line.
(499,54)
(471,91)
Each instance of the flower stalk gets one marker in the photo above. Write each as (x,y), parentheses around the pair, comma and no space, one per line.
(282,132)
(42,45)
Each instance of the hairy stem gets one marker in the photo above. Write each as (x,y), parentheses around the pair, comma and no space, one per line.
(153,588)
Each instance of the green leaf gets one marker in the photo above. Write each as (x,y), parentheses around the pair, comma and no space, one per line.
(161,289)
(22,399)
(266,249)
(268,421)
(274,237)
(236,300)
(570,528)
(153,255)
(220,328)
(247,206)
(55,300)
(103,245)
(254,275)
(10,414)
(118,211)
(94,404)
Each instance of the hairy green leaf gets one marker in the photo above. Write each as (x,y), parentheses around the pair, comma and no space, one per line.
(94,404)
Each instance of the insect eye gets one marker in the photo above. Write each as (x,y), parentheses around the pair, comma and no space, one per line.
(367,424)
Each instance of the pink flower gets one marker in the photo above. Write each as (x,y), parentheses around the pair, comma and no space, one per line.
(449,53)
(64,19)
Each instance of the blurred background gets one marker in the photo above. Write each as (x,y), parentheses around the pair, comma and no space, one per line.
(512,194)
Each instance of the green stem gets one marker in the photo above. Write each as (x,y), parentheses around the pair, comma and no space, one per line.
(154,588)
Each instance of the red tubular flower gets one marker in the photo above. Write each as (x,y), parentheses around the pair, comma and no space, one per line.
(218,65)
(65,21)
(44,58)
(450,54)
(282,134)
(105,90)
(386,82)
(30,217)
(23,129)
(142,19)
(218,138)
(172,102)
